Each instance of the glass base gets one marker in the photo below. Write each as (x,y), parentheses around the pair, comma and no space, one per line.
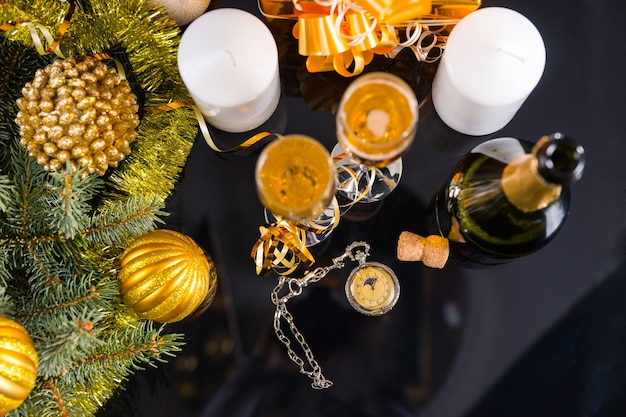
(359,183)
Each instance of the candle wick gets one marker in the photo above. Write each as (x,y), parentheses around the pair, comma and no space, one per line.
(511,54)
(232,58)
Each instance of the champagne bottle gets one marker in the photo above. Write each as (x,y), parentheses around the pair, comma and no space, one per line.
(505,199)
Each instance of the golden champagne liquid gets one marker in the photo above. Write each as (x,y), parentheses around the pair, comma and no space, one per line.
(295,177)
(377,118)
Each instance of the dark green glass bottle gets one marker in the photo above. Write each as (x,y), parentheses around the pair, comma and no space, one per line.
(507,198)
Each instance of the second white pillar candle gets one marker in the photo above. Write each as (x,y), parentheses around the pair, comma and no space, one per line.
(494,58)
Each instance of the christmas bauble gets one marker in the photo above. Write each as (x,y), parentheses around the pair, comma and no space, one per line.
(82,112)
(165,276)
(18,365)
(182,11)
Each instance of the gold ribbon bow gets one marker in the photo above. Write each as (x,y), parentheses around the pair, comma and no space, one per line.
(395,12)
(344,35)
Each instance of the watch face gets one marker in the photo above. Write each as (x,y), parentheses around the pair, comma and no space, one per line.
(372,288)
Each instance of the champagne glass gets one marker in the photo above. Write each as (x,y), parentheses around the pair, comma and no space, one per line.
(295,180)
(376,123)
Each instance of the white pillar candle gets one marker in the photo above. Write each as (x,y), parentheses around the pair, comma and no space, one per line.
(228,60)
(494,58)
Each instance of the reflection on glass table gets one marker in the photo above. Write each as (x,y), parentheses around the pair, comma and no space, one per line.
(385,365)
(233,362)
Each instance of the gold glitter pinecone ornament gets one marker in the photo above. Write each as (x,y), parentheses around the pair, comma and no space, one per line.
(18,365)
(166,276)
(77,111)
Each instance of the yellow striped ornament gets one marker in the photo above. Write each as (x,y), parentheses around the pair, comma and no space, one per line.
(165,276)
(18,365)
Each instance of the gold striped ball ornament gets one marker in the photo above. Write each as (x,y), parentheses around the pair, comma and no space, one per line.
(18,365)
(165,276)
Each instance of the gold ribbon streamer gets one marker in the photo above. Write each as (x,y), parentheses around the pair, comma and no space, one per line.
(169,106)
(344,35)
(204,128)
(54,42)
(209,139)
(373,174)
(54,46)
(324,223)
(282,245)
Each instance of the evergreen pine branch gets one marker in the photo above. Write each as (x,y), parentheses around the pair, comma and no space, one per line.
(41,256)
(115,224)
(27,215)
(45,259)
(55,301)
(19,64)
(7,306)
(44,401)
(65,339)
(45,270)
(5,275)
(122,353)
(132,348)
(7,192)
(6,141)
(70,200)
(60,237)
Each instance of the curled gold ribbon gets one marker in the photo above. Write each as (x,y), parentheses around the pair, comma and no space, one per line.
(282,247)
(282,244)
(35,29)
(204,128)
(324,223)
(374,173)
(362,31)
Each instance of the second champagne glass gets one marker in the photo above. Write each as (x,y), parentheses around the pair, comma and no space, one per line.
(376,123)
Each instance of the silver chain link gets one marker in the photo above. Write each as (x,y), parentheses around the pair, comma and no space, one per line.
(294,288)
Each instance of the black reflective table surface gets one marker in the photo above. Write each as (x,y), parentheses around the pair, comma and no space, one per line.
(543,335)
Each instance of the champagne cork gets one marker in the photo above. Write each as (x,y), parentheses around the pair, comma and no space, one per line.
(432,250)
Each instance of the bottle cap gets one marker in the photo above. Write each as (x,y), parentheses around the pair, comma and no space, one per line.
(432,250)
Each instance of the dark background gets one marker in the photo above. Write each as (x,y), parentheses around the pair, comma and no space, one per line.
(541,336)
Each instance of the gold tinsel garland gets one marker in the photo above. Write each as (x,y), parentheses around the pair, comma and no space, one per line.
(149,41)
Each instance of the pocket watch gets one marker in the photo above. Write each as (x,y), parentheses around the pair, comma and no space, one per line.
(372,288)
